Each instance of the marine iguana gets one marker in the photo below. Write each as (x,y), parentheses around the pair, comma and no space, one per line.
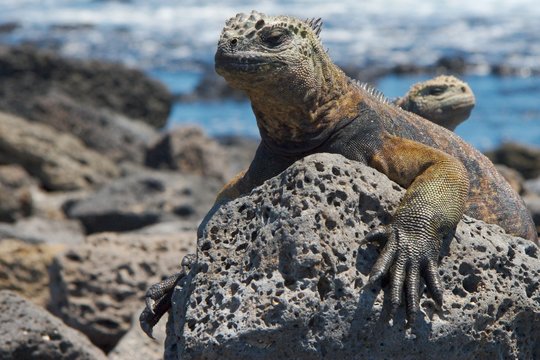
(305,104)
(444,100)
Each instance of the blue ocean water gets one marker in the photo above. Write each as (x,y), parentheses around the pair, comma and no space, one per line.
(174,40)
(507,109)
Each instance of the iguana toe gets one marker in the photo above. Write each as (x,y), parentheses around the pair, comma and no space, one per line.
(413,292)
(433,282)
(396,285)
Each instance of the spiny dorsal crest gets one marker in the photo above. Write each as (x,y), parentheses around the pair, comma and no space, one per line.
(315,24)
(371,90)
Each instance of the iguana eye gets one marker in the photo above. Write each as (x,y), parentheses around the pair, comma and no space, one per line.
(436,90)
(275,37)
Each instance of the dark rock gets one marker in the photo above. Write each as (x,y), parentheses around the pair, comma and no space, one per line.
(99,286)
(102,130)
(190,151)
(24,268)
(26,73)
(283,273)
(212,87)
(451,65)
(144,199)
(58,160)
(29,332)
(523,158)
(15,193)
(370,74)
(8,27)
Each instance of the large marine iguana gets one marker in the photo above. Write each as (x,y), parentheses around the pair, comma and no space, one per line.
(305,104)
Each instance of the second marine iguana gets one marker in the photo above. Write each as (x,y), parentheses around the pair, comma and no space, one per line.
(444,100)
(304,104)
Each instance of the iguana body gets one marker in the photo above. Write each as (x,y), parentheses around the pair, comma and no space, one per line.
(444,100)
(304,104)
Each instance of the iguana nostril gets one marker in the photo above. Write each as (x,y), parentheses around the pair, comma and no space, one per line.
(234,42)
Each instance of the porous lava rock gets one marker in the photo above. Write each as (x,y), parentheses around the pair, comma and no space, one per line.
(283,273)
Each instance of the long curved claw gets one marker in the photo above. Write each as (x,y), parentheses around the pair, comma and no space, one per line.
(158,297)
(388,254)
(433,282)
(150,316)
(379,234)
(396,285)
(383,263)
(413,293)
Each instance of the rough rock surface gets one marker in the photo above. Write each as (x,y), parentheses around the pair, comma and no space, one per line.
(102,130)
(15,193)
(24,268)
(97,287)
(29,332)
(282,273)
(136,345)
(37,230)
(144,199)
(190,151)
(59,160)
(26,73)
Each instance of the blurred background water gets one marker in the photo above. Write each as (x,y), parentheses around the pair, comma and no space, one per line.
(174,41)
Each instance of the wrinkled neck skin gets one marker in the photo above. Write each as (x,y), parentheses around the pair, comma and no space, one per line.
(298,114)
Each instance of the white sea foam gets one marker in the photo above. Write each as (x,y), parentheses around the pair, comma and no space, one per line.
(384,32)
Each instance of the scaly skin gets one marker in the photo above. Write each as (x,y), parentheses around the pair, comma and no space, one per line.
(304,104)
(444,100)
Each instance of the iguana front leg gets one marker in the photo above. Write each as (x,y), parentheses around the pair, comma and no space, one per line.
(437,189)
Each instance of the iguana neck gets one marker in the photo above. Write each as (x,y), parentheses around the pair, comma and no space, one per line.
(312,106)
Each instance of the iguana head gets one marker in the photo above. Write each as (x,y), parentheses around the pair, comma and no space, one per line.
(280,63)
(257,50)
(444,100)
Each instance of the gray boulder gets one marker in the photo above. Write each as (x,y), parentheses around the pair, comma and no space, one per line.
(143,199)
(524,158)
(15,193)
(25,268)
(59,160)
(103,130)
(189,151)
(97,287)
(282,273)
(29,332)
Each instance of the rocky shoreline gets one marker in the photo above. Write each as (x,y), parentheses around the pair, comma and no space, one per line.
(96,203)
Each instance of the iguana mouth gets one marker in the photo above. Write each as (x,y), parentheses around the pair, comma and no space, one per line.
(244,62)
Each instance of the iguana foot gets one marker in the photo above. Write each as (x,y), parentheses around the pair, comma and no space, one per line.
(158,297)
(407,257)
